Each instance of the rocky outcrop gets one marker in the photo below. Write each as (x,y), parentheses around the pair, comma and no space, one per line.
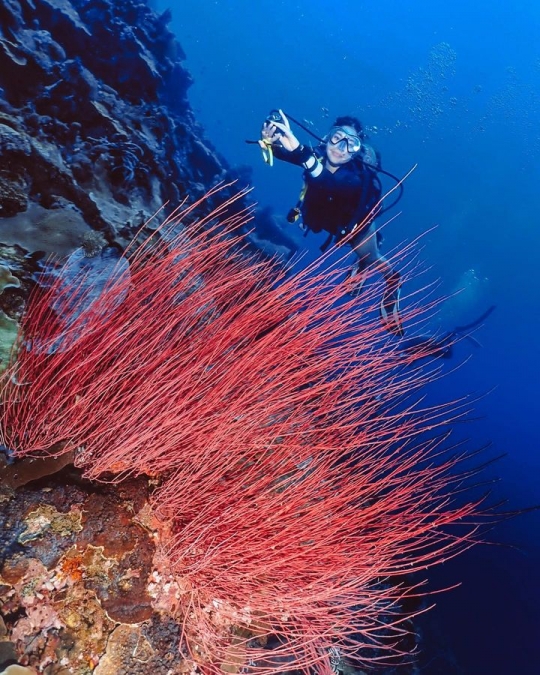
(94,113)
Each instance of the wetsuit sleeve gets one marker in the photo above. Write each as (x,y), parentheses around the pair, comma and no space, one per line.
(299,157)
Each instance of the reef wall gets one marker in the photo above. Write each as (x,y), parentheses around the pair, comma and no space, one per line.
(95,116)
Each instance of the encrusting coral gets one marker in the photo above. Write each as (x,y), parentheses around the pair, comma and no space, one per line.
(294,485)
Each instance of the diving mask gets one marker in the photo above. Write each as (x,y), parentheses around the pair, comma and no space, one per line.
(344,140)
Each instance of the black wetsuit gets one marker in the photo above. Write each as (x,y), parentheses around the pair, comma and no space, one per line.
(335,202)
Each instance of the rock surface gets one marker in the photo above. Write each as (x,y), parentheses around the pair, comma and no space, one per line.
(94,114)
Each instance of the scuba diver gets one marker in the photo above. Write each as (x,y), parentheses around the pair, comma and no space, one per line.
(341,195)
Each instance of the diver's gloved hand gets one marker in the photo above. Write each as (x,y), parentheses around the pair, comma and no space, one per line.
(279,131)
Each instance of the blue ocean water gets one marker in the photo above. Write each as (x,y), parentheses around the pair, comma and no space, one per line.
(453,88)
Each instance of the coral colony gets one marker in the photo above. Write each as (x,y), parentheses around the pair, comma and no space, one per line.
(296,490)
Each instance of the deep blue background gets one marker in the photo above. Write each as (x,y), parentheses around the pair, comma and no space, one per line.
(455,89)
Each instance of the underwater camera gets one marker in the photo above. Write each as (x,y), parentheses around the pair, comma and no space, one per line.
(274,116)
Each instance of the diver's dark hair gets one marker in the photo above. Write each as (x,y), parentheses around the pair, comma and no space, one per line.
(350,121)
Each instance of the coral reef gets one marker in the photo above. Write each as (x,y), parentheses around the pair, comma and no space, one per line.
(294,494)
(74,568)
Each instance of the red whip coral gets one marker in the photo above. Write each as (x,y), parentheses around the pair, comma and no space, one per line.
(292,472)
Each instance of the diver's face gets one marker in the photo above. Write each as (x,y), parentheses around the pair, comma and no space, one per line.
(342,145)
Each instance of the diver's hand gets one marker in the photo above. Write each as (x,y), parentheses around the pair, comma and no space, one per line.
(280,132)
